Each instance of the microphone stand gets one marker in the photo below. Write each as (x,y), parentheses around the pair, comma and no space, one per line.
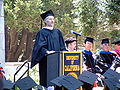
(76,37)
(76,42)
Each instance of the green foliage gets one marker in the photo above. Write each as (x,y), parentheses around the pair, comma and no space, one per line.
(115,35)
(110,11)
(24,14)
(87,14)
(113,11)
(34,73)
(97,18)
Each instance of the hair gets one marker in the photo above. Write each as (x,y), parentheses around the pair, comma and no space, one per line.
(45,20)
(85,41)
(68,43)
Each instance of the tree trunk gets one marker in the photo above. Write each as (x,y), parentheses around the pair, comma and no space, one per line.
(13,41)
(16,45)
(21,44)
(6,42)
(28,47)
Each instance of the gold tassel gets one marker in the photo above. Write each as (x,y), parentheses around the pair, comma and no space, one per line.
(94,47)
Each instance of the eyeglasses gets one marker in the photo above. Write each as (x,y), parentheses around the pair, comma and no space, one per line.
(106,44)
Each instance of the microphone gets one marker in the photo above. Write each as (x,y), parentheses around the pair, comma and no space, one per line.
(75,32)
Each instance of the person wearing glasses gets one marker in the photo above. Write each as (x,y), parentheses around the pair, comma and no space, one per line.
(104,57)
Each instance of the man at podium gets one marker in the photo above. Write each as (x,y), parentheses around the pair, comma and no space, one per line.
(48,40)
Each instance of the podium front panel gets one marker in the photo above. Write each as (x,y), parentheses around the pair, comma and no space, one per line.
(52,67)
(72,63)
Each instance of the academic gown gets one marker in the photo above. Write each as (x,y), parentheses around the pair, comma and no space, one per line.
(116,52)
(46,40)
(117,63)
(104,60)
(88,60)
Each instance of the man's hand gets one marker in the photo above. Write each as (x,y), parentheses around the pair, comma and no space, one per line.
(50,52)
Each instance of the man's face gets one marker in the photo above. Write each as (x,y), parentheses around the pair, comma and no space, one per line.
(88,45)
(49,21)
(117,46)
(105,47)
(72,46)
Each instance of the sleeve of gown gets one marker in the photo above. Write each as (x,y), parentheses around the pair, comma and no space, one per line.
(100,63)
(39,49)
(62,43)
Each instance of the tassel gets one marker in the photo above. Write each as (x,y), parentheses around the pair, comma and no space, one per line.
(2,75)
(94,47)
(41,24)
(95,84)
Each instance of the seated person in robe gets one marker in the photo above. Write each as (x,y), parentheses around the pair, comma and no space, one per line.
(104,57)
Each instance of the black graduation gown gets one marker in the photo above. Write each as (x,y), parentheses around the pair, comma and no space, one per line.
(88,60)
(46,40)
(104,60)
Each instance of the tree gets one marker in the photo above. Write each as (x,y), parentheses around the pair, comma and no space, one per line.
(88,17)
(97,18)
(22,19)
(110,9)
(113,13)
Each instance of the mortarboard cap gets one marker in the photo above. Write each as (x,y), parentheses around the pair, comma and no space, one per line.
(111,74)
(88,77)
(57,80)
(89,39)
(69,82)
(46,14)
(69,40)
(105,40)
(111,83)
(26,83)
(8,85)
(116,41)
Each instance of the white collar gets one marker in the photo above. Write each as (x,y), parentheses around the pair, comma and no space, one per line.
(67,49)
(50,28)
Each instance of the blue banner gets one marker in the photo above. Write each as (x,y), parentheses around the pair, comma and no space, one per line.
(72,63)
